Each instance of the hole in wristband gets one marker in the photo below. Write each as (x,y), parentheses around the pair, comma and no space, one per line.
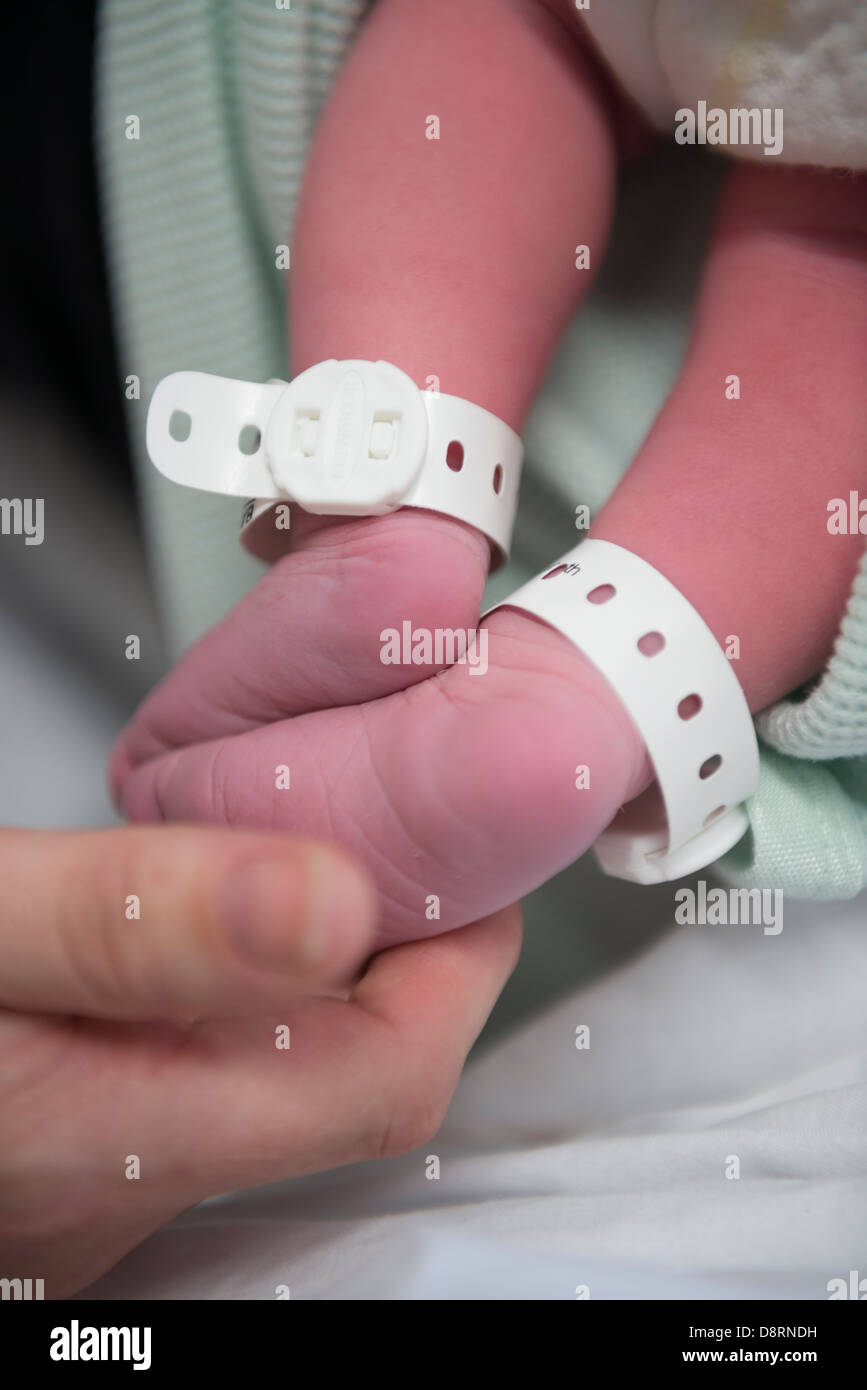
(305,432)
(713,815)
(180,424)
(601,594)
(498,477)
(689,706)
(383,434)
(249,439)
(558,569)
(710,766)
(455,456)
(650,643)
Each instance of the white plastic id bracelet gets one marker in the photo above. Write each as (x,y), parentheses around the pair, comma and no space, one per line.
(349,438)
(677,684)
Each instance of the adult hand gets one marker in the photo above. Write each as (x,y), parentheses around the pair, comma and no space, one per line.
(178,1018)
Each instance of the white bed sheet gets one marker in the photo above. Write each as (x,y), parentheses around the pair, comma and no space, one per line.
(604,1167)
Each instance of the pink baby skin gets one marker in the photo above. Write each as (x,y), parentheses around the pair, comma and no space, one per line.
(455,258)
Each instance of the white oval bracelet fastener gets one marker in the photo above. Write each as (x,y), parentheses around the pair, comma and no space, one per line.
(344,438)
(677,684)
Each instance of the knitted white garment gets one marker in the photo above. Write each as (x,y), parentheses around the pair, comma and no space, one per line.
(804,58)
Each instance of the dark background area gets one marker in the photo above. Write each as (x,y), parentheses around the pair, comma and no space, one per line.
(67,604)
(55,324)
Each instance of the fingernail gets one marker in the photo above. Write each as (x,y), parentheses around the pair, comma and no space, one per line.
(296,915)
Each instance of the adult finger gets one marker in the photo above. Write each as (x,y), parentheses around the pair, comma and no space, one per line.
(174,922)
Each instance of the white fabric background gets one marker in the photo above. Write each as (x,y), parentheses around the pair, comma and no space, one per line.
(602,1167)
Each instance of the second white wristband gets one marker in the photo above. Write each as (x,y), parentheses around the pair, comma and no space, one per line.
(673,677)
